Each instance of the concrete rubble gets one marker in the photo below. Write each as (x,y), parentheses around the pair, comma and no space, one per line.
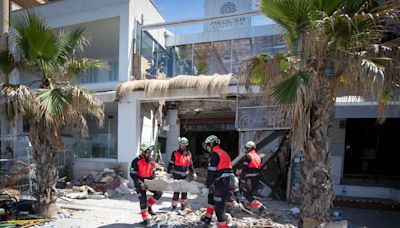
(189,218)
(163,182)
(103,184)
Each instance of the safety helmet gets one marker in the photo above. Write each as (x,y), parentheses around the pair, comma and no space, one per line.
(146,146)
(183,141)
(250,144)
(211,139)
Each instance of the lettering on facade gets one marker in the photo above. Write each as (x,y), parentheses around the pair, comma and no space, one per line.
(262,118)
(229,23)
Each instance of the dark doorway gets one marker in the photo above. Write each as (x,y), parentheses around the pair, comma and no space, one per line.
(372,150)
(229,142)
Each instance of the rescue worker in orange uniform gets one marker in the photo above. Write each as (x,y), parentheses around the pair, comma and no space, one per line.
(142,168)
(179,166)
(251,174)
(220,180)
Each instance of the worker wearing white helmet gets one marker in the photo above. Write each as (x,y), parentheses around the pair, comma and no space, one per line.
(180,165)
(142,168)
(251,174)
(220,178)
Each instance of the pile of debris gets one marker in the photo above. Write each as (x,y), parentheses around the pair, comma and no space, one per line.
(189,218)
(103,184)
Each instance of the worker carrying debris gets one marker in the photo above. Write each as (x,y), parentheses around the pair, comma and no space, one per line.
(179,166)
(250,175)
(220,180)
(143,168)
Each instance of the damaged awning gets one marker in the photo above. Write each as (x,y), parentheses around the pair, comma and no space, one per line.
(167,87)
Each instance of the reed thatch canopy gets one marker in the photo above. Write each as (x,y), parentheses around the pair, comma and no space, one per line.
(167,87)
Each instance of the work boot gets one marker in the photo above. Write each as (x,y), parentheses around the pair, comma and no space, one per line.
(174,208)
(148,223)
(262,210)
(206,220)
(151,211)
(183,206)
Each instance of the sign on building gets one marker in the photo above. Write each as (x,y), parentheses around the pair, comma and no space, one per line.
(223,7)
(262,118)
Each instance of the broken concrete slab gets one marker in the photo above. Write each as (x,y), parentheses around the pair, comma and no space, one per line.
(172,185)
(77,195)
(95,197)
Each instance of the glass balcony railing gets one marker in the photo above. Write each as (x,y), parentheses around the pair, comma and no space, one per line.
(99,75)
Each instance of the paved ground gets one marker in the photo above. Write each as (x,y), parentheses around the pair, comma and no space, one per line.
(124,212)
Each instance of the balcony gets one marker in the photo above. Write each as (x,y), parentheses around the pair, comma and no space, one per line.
(98,76)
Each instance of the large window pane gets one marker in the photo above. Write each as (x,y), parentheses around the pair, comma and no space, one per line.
(201,57)
(241,49)
(101,142)
(220,59)
(183,60)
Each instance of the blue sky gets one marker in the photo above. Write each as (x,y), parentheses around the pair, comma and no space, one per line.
(180,9)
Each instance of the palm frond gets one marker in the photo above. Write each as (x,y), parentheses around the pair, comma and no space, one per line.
(327,7)
(34,37)
(286,91)
(7,63)
(85,102)
(292,15)
(72,42)
(53,101)
(19,99)
(76,67)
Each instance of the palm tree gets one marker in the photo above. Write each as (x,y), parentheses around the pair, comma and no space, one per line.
(335,47)
(51,102)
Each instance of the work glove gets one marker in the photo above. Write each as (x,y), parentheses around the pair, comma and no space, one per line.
(194,176)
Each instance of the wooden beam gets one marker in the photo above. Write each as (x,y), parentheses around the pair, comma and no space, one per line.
(29,3)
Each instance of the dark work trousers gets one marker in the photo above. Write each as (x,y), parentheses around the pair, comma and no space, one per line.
(251,185)
(175,198)
(221,194)
(144,202)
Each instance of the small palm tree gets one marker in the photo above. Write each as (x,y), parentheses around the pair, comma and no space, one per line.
(51,101)
(335,47)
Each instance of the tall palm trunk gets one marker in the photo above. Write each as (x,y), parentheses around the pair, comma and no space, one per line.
(316,183)
(44,151)
(5,10)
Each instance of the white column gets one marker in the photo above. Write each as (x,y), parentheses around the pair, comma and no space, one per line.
(128,130)
(126,22)
(172,134)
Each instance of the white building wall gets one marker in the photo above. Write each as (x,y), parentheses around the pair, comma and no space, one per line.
(150,15)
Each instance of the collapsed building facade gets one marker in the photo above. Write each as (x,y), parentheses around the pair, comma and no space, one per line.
(141,46)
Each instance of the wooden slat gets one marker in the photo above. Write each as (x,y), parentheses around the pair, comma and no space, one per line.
(227,118)
(29,3)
